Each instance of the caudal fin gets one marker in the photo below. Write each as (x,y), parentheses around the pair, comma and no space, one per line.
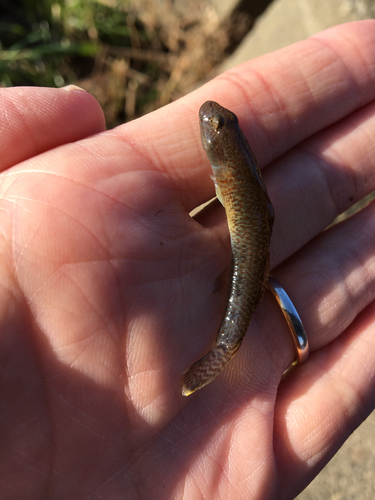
(206,369)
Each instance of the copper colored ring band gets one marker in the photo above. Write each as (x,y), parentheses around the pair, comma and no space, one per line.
(292,317)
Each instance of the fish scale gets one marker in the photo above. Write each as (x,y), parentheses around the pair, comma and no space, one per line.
(250,214)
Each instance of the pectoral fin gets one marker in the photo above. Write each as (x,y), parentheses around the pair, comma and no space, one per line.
(217,189)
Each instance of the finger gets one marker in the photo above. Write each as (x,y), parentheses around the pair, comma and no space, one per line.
(332,394)
(315,182)
(280,99)
(330,282)
(34,120)
(319,179)
(333,279)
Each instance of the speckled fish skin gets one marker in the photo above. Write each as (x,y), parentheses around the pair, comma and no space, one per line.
(250,214)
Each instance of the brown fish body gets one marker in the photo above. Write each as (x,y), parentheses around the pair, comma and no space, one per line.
(250,216)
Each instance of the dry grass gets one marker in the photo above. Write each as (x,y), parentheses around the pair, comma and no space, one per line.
(171,50)
(132,55)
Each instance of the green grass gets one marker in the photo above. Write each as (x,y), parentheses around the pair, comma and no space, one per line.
(36,47)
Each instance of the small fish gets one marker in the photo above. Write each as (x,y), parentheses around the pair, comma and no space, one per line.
(250,214)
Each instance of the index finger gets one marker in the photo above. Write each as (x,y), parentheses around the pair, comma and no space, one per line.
(280,99)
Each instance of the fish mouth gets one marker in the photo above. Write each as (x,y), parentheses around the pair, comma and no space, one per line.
(205,132)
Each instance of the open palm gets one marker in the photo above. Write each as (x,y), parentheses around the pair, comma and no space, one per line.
(108,286)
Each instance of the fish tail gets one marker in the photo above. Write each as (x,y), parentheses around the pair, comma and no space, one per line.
(207,368)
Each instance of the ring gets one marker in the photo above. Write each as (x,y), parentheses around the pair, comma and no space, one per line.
(292,318)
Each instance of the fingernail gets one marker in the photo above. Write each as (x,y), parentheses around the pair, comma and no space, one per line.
(72,88)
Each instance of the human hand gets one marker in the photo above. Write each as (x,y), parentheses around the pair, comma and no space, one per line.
(107,285)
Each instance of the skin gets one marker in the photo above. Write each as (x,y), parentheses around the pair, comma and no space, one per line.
(106,286)
(240,189)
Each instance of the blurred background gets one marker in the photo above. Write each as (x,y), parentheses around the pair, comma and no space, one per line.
(135,56)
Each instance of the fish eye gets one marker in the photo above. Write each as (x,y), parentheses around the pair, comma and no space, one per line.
(217,121)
